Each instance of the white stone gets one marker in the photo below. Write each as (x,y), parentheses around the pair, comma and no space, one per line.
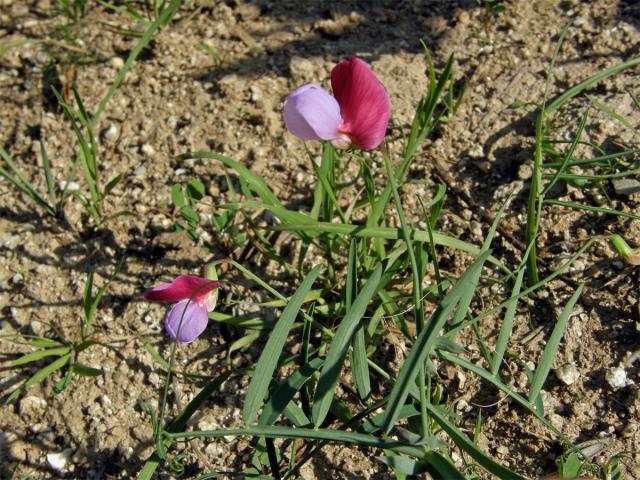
(110,135)
(58,460)
(568,374)
(117,63)
(476,151)
(70,186)
(616,377)
(10,242)
(148,150)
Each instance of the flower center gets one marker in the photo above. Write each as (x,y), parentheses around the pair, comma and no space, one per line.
(209,301)
(342,140)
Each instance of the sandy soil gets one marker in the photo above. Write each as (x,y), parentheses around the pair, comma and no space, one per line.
(177,99)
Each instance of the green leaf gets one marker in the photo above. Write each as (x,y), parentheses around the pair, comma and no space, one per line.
(162,19)
(312,228)
(256,183)
(177,197)
(87,299)
(268,360)
(111,184)
(190,215)
(569,466)
(195,190)
(40,375)
(48,175)
(550,349)
(34,356)
(507,325)
(467,296)
(243,342)
(155,355)
(42,342)
(339,346)
(588,83)
(19,181)
(64,382)
(85,370)
(591,208)
(427,338)
(359,350)
(440,467)
(462,441)
(330,435)
(404,465)
(284,394)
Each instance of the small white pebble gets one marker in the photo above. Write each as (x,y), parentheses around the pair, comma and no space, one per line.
(486,49)
(57,461)
(616,377)
(568,373)
(117,63)
(70,186)
(110,134)
(148,150)
(476,151)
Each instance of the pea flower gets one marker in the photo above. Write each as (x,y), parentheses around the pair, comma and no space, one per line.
(194,299)
(358,113)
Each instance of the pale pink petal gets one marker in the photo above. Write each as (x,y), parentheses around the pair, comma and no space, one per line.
(186,321)
(311,113)
(364,103)
(183,287)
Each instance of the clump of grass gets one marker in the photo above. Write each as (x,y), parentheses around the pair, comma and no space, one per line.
(552,165)
(83,125)
(66,350)
(351,291)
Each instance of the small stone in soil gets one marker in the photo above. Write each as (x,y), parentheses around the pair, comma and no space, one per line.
(616,377)
(567,374)
(626,186)
(70,186)
(110,134)
(58,460)
(32,406)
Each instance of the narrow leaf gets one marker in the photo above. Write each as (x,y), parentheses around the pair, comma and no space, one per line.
(40,375)
(268,360)
(550,349)
(507,325)
(425,341)
(339,346)
(285,393)
(34,356)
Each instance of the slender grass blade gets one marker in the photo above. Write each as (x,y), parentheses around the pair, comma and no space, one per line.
(268,360)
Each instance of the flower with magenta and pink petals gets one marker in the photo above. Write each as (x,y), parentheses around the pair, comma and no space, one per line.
(358,113)
(194,298)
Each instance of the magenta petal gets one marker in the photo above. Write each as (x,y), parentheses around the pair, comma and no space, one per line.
(186,321)
(184,286)
(364,103)
(311,113)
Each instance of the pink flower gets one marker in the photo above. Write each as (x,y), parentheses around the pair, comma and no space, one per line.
(357,114)
(188,318)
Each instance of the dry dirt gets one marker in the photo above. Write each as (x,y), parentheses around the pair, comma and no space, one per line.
(178,99)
